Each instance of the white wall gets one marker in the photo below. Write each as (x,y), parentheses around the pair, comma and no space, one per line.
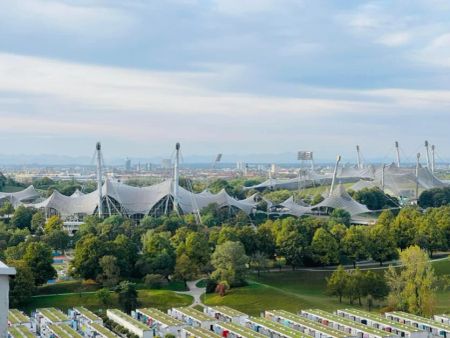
(5,272)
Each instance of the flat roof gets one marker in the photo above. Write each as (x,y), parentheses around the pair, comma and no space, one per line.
(349,323)
(64,331)
(88,314)
(102,330)
(20,331)
(199,332)
(309,323)
(380,319)
(287,331)
(443,315)
(191,312)
(228,311)
(53,314)
(6,270)
(240,330)
(129,319)
(17,317)
(420,319)
(160,316)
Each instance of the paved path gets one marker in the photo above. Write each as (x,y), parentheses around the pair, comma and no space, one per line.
(194,291)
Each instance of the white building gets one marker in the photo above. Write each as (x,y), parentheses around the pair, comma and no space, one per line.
(443,319)
(5,273)
(192,317)
(225,314)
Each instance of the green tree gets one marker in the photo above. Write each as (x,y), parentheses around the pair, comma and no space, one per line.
(57,239)
(38,256)
(54,223)
(88,251)
(337,283)
(354,244)
(382,246)
(429,234)
(259,261)
(404,227)
(412,286)
(22,217)
(110,271)
(324,247)
(6,208)
(22,286)
(230,263)
(340,216)
(128,296)
(104,295)
(37,221)
(184,269)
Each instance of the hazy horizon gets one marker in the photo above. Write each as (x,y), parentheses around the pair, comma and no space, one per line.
(224,76)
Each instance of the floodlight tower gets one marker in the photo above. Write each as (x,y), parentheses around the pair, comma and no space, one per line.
(358,158)
(427,149)
(417,175)
(433,158)
(338,159)
(98,151)
(217,160)
(397,150)
(176,177)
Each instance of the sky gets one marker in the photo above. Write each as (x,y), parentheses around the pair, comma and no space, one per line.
(224,76)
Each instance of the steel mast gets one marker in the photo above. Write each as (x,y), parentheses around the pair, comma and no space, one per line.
(98,150)
(338,159)
(397,149)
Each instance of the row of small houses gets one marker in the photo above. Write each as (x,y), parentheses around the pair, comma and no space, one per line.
(222,321)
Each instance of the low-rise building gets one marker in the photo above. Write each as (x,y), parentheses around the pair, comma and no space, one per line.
(197,332)
(81,316)
(61,331)
(131,324)
(159,322)
(232,330)
(433,327)
(379,322)
(192,317)
(18,318)
(272,329)
(49,316)
(345,325)
(96,330)
(443,318)
(20,331)
(304,325)
(225,314)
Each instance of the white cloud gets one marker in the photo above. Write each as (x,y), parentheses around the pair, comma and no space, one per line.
(437,52)
(395,39)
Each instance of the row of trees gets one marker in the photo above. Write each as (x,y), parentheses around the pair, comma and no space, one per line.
(410,287)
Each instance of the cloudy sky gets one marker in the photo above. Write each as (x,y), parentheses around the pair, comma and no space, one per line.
(232,76)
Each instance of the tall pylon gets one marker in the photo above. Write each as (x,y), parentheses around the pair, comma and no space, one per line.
(98,152)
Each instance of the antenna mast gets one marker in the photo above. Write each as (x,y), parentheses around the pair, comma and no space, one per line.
(338,159)
(358,157)
(397,149)
(98,150)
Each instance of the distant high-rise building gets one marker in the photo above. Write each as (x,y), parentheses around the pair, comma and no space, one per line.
(166,163)
(128,164)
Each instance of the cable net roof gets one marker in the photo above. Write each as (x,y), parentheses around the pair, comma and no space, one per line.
(16,198)
(140,200)
(401,182)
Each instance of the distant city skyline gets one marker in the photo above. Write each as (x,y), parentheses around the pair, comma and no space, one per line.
(224,76)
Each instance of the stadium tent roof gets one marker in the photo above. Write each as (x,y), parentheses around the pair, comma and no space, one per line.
(77,193)
(401,181)
(138,200)
(294,208)
(340,199)
(16,198)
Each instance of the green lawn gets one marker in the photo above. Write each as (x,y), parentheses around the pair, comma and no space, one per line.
(80,286)
(294,290)
(161,299)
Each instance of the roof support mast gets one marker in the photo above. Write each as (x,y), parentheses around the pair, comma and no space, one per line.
(427,148)
(333,182)
(176,177)
(358,158)
(433,158)
(98,150)
(397,149)
(417,175)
